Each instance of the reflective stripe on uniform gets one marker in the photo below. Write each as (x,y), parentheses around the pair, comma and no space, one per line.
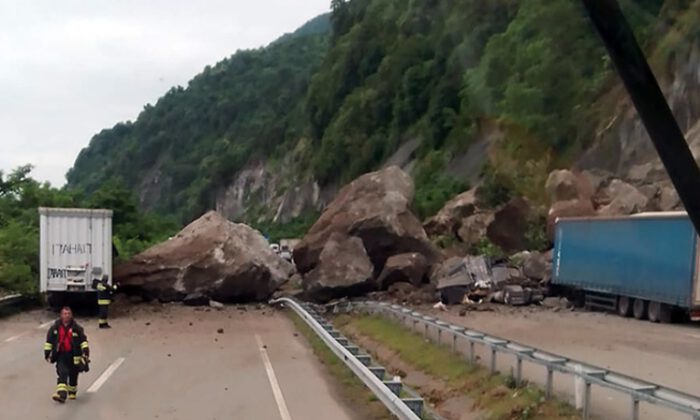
(101,287)
(84,345)
(77,360)
(103,321)
(48,346)
(61,387)
(72,388)
(104,301)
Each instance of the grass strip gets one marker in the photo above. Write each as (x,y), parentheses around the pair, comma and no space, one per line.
(364,403)
(495,395)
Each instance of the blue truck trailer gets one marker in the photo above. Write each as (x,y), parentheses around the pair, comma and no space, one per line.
(644,265)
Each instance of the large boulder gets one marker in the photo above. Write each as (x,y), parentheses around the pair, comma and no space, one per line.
(533,264)
(624,199)
(510,224)
(668,199)
(570,208)
(213,257)
(408,268)
(343,269)
(376,208)
(448,220)
(473,228)
(563,184)
(442,270)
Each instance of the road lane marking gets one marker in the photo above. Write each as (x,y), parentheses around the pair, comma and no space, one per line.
(14,337)
(105,375)
(44,325)
(279,398)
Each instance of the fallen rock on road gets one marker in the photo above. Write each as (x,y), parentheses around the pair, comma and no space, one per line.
(212,257)
(376,208)
(343,269)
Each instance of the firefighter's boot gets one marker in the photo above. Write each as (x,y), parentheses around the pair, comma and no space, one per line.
(61,393)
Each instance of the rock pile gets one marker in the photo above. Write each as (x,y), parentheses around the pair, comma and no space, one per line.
(366,239)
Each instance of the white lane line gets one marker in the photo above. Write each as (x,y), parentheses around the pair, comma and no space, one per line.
(14,337)
(44,325)
(279,398)
(105,375)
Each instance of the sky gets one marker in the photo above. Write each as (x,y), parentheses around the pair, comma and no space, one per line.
(70,68)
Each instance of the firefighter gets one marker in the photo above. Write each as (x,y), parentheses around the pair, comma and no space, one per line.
(67,346)
(104,298)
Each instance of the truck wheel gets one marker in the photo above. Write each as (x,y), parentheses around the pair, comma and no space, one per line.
(654,311)
(624,306)
(639,309)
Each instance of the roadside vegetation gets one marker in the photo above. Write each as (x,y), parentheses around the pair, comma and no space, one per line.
(353,391)
(343,93)
(497,396)
(20,198)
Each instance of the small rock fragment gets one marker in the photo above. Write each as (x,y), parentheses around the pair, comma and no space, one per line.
(220,331)
(216,305)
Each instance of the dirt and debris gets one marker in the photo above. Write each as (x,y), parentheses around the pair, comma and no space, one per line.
(220,331)
(475,279)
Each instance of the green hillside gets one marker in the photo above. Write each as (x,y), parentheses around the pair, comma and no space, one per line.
(348,89)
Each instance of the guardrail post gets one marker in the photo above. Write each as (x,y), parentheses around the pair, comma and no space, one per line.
(550,380)
(472,355)
(635,409)
(439,336)
(518,370)
(454,342)
(425,333)
(587,402)
(415,322)
(493,360)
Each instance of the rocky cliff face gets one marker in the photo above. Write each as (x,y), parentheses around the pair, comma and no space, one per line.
(262,191)
(623,143)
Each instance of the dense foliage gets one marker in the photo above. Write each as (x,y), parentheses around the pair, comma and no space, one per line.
(21,196)
(194,139)
(347,90)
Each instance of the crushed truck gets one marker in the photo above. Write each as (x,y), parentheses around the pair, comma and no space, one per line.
(644,265)
(75,247)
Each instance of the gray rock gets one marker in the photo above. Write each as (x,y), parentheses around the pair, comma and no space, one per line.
(216,305)
(624,199)
(510,223)
(410,268)
(449,218)
(534,265)
(213,256)
(561,185)
(343,269)
(668,199)
(571,208)
(473,228)
(375,208)
(442,270)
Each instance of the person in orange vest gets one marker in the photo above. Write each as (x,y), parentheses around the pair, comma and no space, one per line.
(104,298)
(67,346)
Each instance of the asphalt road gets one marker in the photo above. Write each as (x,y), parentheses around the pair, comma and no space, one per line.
(663,354)
(171,369)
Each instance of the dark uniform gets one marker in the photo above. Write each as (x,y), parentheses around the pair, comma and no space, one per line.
(67,347)
(104,298)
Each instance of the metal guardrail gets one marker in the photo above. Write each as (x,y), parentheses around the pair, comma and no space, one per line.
(637,389)
(393,402)
(10,300)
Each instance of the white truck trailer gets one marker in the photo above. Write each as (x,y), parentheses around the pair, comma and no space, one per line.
(75,247)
